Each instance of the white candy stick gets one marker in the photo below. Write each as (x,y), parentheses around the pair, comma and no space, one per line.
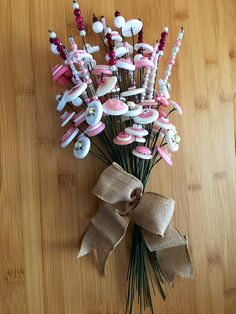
(163,83)
(148,71)
(153,75)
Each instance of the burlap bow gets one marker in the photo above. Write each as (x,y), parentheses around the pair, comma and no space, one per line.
(122,198)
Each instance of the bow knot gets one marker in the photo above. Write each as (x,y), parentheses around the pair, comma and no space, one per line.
(122,200)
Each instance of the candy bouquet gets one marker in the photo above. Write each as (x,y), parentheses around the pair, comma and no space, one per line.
(120,113)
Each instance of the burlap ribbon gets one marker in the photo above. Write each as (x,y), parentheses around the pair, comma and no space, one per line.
(122,200)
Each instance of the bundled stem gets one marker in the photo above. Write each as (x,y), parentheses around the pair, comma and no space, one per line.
(143,264)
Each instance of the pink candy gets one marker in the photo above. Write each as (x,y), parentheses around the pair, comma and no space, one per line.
(165,154)
(79,117)
(61,74)
(143,150)
(94,130)
(67,134)
(144,63)
(123,138)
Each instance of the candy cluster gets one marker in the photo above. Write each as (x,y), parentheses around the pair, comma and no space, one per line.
(117,102)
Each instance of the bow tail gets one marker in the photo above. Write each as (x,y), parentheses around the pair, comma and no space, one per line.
(172,253)
(107,228)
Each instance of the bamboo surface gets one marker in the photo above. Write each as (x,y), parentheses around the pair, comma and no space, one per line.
(45,200)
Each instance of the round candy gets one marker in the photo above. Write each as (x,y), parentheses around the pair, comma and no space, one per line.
(144,62)
(94,112)
(68,137)
(140,139)
(79,117)
(125,64)
(133,111)
(115,107)
(66,117)
(177,107)
(132,28)
(62,102)
(133,91)
(165,154)
(94,130)
(136,130)
(164,124)
(102,69)
(77,102)
(107,84)
(97,27)
(146,47)
(172,140)
(119,21)
(82,147)
(147,116)
(108,30)
(123,138)
(142,152)
(76,91)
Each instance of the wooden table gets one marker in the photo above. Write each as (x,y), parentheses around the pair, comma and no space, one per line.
(45,193)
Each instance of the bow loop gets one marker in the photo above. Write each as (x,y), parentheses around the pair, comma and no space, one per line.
(154,213)
(116,185)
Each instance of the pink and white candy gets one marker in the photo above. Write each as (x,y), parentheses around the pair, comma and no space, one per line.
(82,147)
(68,137)
(94,112)
(172,140)
(115,107)
(142,152)
(147,116)
(66,117)
(94,130)
(165,154)
(123,138)
(136,130)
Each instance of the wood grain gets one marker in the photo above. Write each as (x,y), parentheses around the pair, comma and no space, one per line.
(45,200)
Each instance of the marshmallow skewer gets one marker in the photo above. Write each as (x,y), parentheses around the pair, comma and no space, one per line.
(159,54)
(164,83)
(147,74)
(173,55)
